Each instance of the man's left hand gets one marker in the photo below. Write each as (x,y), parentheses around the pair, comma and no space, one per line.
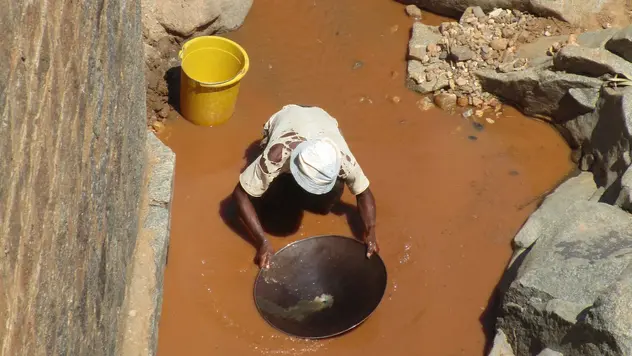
(371,244)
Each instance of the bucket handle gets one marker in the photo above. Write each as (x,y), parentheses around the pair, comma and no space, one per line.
(181,52)
(210,85)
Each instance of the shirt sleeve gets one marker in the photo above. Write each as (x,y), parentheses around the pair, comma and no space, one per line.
(254,181)
(258,176)
(352,173)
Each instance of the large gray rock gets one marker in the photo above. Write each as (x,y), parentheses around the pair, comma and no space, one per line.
(539,91)
(573,11)
(545,219)
(144,296)
(590,61)
(604,135)
(185,18)
(72,156)
(621,43)
(612,313)
(595,39)
(571,288)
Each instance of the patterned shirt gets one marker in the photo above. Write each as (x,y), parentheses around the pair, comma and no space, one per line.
(284,131)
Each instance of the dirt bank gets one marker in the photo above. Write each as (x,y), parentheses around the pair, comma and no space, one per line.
(450,195)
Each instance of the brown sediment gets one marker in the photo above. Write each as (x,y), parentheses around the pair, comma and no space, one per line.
(447,205)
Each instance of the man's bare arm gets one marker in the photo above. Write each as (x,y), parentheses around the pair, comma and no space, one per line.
(249,217)
(366,206)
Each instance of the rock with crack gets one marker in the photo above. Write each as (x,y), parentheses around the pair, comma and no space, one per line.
(591,61)
(571,291)
(191,17)
(621,43)
(537,91)
(576,12)
(604,137)
(545,219)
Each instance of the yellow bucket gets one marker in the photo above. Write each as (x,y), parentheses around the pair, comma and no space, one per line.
(212,68)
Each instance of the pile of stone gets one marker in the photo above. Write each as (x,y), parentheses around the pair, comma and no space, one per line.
(443,59)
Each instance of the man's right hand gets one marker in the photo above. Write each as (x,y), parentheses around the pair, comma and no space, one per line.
(264,255)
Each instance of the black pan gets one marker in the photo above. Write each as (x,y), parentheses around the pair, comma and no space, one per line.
(320,287)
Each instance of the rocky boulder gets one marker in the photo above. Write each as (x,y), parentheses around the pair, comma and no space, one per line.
(621,43)
(570,290)
(593,62)
(72,170)
(604,135)
(539,91)
(573,11)
(191,17)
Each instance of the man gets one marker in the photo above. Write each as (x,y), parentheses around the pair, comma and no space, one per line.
(306,143)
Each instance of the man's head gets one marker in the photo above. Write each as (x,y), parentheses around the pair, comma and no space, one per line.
(315,165)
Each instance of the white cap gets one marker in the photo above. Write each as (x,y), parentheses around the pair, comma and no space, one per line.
(315,165)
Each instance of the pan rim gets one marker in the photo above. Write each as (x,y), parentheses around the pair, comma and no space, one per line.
(291,244)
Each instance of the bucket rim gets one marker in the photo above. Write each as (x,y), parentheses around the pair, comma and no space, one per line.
(224,83)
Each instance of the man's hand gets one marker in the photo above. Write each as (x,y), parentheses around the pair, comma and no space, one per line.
(264,254)
(371,244)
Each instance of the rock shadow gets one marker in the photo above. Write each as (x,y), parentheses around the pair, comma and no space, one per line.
(493,309)
(172,78)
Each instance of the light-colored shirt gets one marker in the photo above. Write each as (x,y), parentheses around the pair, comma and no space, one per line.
(286,129)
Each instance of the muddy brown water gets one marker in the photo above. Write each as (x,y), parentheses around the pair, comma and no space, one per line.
(448,205)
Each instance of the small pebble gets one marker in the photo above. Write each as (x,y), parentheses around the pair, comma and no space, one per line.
(467,113)
(479,113)
(164,112)
(396,99)
(445,101)
(425,104)
(358,65)
(462,101)
(513,172)
(394,28)
(413,11)
(157,126)
(490,120)
(472,138)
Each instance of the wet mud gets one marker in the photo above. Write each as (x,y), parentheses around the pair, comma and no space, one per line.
(450,195)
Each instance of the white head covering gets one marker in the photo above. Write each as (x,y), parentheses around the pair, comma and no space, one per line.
(315,165)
